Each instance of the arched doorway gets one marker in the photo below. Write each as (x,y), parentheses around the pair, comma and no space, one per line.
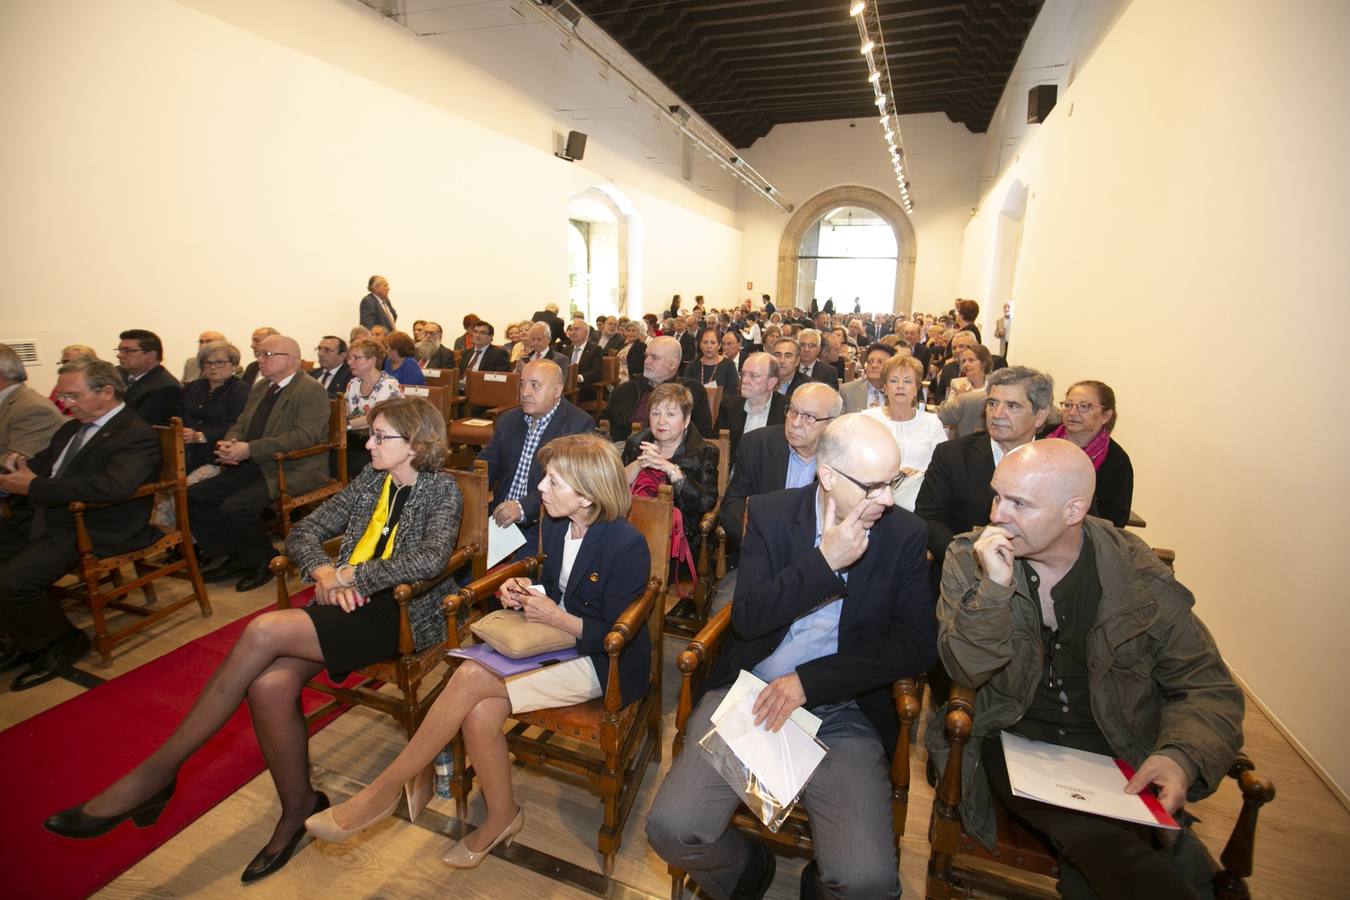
(847,257)
(807,220)
(604,268)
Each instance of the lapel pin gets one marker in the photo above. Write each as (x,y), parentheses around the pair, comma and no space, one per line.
(595,576)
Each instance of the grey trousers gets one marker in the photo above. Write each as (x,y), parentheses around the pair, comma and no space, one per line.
(847,799)
(723,594)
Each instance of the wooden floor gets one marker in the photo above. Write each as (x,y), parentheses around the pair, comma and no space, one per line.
(554,856)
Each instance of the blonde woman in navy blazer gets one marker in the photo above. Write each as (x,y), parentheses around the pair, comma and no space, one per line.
(597,564)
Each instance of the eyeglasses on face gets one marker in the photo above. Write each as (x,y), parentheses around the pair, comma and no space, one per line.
(212,363)
(1080,406)
(268,354)
(128,350)
(380,437)
(873,489)
(806,417)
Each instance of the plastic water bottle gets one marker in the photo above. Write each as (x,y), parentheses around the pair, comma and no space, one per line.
(444,764)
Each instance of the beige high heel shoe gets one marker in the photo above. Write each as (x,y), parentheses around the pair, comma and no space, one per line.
(459,856)
(322,825)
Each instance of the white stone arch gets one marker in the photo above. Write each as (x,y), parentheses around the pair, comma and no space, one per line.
(629,239)
(850,195)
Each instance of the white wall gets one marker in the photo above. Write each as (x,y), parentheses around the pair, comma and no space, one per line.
(1181,218)
(180,172)
(804,159)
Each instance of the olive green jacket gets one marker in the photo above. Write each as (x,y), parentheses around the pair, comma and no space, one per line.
(298,420)
(1156,680)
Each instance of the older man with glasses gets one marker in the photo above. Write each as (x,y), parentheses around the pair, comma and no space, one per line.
(831,609)
(286,410)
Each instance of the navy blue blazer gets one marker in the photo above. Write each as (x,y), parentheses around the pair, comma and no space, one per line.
(887,629)
(502,454)
(610,572)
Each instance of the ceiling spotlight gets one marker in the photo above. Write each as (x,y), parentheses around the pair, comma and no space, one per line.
(867,47)
(881,101)
(857,8)
(874,77)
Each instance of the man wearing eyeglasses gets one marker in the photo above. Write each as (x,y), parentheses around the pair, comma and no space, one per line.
(756,404)
(332,371)
(151,389)
(285,411)
(831,609)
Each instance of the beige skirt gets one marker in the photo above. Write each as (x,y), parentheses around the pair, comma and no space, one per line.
(565,684)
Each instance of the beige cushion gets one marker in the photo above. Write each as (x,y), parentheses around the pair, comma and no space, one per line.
(507,632)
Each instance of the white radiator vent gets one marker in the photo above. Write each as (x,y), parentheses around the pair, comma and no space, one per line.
(27,351)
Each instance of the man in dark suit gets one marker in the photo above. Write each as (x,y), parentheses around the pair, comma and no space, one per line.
(255,341)
(539,343)
(831,355)
(610,338)
(103,455)
(811,366)
(484,356)
(756,404)
(375,306)
(956,496)
(332,371)
(512,456)
(549,316)
(831,609)
(789,362)
(586,356)
(151,389)
(688,340)
(769,308)
(442,357)
(285,411)
(628,402)
(910,333)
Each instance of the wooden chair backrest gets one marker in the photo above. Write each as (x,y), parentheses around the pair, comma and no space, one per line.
(571,384)
(850,370)
(493,389)
(306,365)
(433,394)
(723,444)
(172,461)
(473,528)
(714,399)
(609,367)
(444,378)
(337,425)
(653,516)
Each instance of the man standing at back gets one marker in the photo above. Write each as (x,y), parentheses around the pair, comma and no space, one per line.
(151,389)
(375,306)
(285,411)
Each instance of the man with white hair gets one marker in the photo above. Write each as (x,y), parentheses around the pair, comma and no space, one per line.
(831,608)
(28,420)
(811,366)
(538,340)
(375,308)
(1073,633)
(628,403)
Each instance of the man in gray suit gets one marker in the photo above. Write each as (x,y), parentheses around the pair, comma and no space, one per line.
(868,391)
(28,420)
(375,306)
(285,411)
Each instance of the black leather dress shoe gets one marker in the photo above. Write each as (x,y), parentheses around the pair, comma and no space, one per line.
(757,878)
(12,656)
(265,863)
(254,578)
(63,652)
(75,823)
(231,571)
(215,564)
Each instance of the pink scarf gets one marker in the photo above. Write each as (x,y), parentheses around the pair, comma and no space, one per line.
(1095,449)
(645,485)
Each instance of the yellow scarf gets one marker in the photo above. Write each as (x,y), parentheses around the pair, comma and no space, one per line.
(365,548)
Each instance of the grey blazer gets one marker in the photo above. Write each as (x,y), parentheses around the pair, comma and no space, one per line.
(854,394)
(299,420)
(425,538)
(28,421)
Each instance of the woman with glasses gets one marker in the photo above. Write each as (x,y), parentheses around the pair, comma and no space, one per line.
(1089,411)
(398,521)
(212,403)
(369,386)
(962,412)
(916,430)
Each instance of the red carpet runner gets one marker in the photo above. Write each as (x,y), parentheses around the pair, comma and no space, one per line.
(67,754)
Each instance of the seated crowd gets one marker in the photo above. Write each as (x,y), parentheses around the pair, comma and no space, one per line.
(900,502)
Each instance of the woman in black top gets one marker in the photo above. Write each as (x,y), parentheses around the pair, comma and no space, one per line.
(212,403)
(711,367)
(1089,410)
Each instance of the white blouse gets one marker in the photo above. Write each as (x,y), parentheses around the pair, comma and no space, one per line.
(917,438)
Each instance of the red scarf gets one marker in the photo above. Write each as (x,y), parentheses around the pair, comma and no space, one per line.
(645,485)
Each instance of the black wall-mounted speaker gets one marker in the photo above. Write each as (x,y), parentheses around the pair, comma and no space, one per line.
(1040,100)
(576,146)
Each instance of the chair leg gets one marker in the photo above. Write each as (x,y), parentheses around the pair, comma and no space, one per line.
(611,790)
(461,778)
(101,639)
(676,883)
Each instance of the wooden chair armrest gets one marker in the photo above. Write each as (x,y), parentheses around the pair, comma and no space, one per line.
(702,649)
(632,620)
(283,455)
(709,520)
(476,592)
(460,558)
(957,726)
(278,567)
(498,410)
(1238,852)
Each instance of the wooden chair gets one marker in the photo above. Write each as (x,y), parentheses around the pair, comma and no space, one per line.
(411,667)
(94,570)
(444,378)
(1019,848)
(714,400)
(794,835)
(433,394)
(496,392)
(609,377)
(688,616)
(336,446)
(607,745)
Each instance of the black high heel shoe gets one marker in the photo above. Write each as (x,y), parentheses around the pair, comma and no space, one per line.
(265,863)
(76,823)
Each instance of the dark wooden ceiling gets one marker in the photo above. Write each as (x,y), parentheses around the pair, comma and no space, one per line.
(747,65)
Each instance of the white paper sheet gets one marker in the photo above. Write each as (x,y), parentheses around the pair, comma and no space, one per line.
(782,762)
(502,542)
(1077,779)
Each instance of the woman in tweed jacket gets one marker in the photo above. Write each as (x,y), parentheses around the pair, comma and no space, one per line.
(399,520)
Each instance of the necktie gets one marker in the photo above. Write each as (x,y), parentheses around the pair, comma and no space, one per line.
(76,444)
(327,377)
(473,363)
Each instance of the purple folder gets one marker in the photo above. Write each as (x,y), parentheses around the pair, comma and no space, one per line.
(505,666)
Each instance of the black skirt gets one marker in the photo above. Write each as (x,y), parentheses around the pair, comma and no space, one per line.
(352,640)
